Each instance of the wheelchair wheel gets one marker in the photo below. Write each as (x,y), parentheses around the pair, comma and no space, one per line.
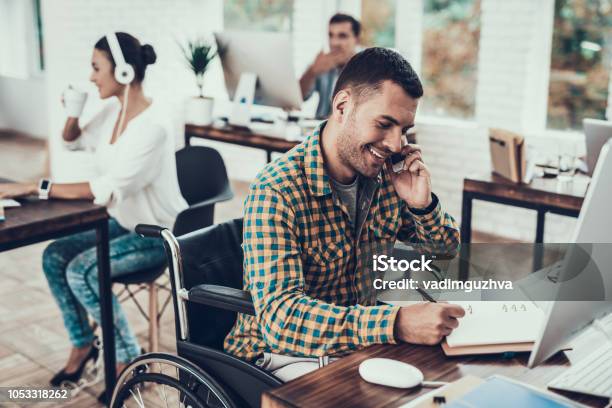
(165,380)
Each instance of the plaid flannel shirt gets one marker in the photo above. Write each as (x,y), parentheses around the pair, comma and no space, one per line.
(305,265)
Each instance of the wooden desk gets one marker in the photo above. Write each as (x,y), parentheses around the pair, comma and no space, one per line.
(339,384)
(240,136)
(541,195)
(37,221)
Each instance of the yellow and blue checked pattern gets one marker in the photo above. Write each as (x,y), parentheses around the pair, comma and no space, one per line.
(305,268)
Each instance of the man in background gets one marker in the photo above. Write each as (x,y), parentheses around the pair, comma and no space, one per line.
(322,74)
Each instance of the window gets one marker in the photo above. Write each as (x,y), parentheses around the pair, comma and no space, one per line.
(13,55)
(261,15)
(580,62)
(378,23)
(451,32)
(21,50)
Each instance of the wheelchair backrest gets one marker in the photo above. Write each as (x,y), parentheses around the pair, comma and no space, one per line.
(211,256)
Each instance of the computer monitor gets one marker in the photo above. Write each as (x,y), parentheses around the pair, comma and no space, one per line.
(597,133)
(267,55)
(566,319)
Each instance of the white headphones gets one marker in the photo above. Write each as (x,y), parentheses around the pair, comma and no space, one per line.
(124,72)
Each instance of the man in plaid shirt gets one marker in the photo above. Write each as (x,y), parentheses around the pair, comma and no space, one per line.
(312,214)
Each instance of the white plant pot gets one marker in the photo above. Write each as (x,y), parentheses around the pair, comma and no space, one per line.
(199,111)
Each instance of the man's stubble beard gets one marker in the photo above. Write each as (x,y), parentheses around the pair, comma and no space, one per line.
(349,153)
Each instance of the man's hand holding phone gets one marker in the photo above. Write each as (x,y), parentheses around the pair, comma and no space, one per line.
(413,182)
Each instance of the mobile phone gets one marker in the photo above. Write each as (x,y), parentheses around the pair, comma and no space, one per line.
(397,159)
(397,162)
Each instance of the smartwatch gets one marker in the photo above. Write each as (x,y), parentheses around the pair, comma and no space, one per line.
(44,186)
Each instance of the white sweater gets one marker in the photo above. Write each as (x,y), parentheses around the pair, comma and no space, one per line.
(136,176)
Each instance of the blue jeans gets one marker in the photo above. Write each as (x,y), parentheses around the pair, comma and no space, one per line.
(70,265)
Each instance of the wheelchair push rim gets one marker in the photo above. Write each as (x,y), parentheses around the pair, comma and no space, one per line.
(165,380)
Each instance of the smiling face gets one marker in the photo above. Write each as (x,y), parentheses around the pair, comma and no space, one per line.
(372,128)
(102,75)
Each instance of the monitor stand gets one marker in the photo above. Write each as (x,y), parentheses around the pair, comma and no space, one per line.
(243,100)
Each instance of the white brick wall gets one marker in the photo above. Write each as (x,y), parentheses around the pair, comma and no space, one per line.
(508,84)
(453,155)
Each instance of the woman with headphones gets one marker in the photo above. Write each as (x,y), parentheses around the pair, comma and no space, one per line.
(136,181)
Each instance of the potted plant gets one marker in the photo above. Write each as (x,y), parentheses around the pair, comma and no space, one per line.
(199,53)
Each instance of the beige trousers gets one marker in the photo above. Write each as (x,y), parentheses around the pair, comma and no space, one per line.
(287,368)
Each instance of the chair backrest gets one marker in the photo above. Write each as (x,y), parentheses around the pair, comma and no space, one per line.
(201,173)
(202,177)
(212,256)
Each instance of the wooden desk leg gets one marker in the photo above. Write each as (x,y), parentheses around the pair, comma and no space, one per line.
(106,307)
(538,257)
(538,248)
(464,262)
(466,218)
(539,238)
(466,236)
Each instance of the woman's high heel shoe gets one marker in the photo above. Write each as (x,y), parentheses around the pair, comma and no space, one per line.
(76,376)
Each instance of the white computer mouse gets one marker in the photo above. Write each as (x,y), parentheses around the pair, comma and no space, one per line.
(391,373)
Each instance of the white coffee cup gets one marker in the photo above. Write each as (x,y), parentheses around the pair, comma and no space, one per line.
(74,101)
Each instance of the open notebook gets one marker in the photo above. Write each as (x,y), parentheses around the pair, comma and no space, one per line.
(497,323)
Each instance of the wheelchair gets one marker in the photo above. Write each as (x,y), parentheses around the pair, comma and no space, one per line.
(206,274)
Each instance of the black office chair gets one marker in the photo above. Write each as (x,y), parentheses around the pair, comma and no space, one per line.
(206,276)
(203,181)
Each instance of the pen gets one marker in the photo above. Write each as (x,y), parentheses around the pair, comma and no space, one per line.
(433,384)
(426,295)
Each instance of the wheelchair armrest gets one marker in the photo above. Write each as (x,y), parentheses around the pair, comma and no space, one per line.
(223,297)
(147,230)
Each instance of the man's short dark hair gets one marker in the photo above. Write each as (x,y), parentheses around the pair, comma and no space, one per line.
(368,69)
(345,18)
